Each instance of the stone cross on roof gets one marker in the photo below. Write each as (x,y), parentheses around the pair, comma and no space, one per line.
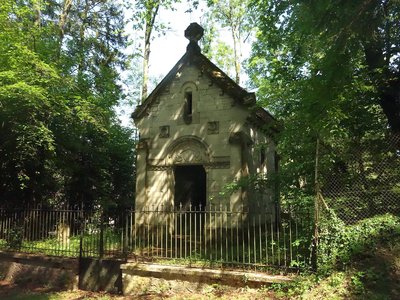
(194,33)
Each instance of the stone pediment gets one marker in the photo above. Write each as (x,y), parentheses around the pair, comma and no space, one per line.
(205,66)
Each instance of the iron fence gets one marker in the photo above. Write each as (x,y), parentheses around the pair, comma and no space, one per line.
(219,235)
(212,235)
(37,230)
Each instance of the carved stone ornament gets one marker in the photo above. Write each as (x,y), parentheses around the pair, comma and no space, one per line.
(189,151)
(164,131)
(188,156)
(213,127)
(158,168)
(194,32)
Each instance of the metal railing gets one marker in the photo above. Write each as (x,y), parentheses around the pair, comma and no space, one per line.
(218,235)
(212,235)
(37,230)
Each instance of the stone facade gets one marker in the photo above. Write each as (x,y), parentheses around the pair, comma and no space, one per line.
(197,120)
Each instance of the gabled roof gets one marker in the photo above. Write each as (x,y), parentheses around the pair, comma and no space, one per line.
(193,56)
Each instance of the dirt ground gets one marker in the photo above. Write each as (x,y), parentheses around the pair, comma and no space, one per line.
(32,292)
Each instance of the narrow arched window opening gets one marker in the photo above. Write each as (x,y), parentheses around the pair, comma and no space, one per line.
(189,103)
(188,111)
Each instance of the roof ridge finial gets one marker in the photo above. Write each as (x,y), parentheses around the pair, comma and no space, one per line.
(194,33)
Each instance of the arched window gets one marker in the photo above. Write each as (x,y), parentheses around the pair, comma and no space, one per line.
(190,97)
(188,109)
(189,103)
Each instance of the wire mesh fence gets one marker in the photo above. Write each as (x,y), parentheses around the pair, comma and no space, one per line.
(366,181)
(212,235)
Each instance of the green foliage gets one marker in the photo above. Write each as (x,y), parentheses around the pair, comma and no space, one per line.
(357,283)
(298,286)
(339,244)
(313,67)
(14,238)
(257,182)
(233,16)
(60,141)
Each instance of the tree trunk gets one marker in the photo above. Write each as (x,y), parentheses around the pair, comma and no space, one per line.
(314,250)
(388,80)
(152,12)
(38,13)
(81,55)
(146,58)
(62,22)
(37,22)
(236,50)
(390,103)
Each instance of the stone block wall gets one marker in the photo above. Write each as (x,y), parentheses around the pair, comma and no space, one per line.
(215,117)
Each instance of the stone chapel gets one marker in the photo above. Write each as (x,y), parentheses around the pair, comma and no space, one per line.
(199,131)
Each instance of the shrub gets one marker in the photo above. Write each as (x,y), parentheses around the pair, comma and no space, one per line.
(338,242)
(14,238)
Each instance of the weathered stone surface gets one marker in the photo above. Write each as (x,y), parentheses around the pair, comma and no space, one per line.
(53,272)
(138,276)
(219,109)
(100,275)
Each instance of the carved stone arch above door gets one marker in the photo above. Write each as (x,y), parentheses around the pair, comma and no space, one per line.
(188,150)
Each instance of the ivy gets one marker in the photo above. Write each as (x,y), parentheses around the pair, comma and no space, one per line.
(339,243)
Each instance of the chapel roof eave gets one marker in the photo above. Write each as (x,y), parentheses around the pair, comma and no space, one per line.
(194,56)
(205,66)
(262,119)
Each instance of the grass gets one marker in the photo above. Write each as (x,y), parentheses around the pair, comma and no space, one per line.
(276,253)
(373,274)
(55,247)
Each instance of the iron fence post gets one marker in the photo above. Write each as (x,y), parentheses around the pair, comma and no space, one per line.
(101,237)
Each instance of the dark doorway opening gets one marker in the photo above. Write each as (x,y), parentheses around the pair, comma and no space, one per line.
(190,187)
(190,202)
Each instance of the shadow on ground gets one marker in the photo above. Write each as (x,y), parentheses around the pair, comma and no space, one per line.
(377,273)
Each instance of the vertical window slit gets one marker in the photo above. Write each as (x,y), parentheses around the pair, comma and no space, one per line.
(188,109)
(189,103)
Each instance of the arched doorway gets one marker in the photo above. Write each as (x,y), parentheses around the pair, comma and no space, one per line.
(190,187)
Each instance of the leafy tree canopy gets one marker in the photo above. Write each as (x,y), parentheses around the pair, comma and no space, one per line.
(60,141)
(330,71)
